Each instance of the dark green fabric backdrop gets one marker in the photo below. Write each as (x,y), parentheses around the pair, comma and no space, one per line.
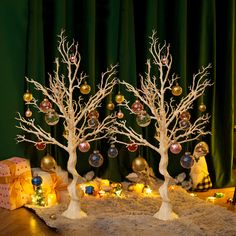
(116,31)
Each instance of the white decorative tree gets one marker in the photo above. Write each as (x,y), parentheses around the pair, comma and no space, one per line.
(171,117)
(79,117)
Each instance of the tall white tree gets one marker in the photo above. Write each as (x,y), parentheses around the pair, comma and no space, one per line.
(63,100)
(170,115)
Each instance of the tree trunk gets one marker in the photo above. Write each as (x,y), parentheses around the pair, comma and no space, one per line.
(165,212)
(73,211)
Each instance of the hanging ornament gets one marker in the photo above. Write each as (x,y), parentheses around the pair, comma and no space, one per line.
(143,119)
(185,115)
(187,160)
(28,113)
(202,107)
(96,159)
(201,149)
(175,148)
(110,106)
(45,105)
(112,151)
(40,146)
(85,88)
(93,113)
(120,114)
(51,117)
(48,163)
(176,90)
(93,123)
(28,96)
(137,107)
(164,60)
(84,146)
(132,147)
(184,124)
(37,180)
(139,164)
(119,98)
(73,58)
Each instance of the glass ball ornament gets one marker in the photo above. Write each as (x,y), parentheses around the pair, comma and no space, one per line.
(185,115)
(143,119)
(137,107)
(164,60)
(84,146)
(48,163)
(85,88)
(119,98)
(175,148)
(112,151)
(93,113)
(45,105)
(139,164)
(120,114)
(96,159)
(51,117)
(37,180)
(28,96)
(184,124)
(202,107)
(28,113)
(93,123)
(40,146)
(187,160)
(176,90)
(201,149)
(132,147)
(73,58)
(110,106)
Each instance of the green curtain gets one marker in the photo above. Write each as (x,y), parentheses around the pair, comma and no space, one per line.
(117,31)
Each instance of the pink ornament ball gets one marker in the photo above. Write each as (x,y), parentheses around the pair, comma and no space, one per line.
(175,148)
(84,146)
(137,107)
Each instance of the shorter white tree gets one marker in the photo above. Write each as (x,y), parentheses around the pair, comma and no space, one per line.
(171,117)
(79,115)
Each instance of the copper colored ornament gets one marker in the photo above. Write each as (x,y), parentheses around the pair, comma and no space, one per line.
(120,114)
(202,107)
(48,163)
(93,113)
(85,88)
(119,98)
(110,106)
(137,107)
(176,90)
(175,148)
(28,113)
(40,146)
(164,60)
(139,164)
(73,58)
(84,146)
(132,147)
(201,149)
(185,115)
(27,97)
(45,105)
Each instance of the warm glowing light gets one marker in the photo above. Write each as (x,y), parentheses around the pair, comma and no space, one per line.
(52,199)
(211,199)
(118,192)
(104,182)
(138,187)
(193,194)
(147,190)
(101,193)
(172,188)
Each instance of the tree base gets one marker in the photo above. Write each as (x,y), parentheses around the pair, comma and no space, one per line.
(165,212)
(74,211)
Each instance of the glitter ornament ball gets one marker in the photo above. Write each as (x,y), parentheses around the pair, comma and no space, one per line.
(48,163)
(51,117)
(93,123)
(28,113)
(93,113)
(27,97)
(45,105)
(137,107)
(37,180)
(96,159)
(40,146)
(110,106)
(202,107)
(175,148)
(119,98)
(139,164)
(176,90)
(187,160)
(184,124)
(143,119)
(185,115)
(84,146)
(85,88)
(132,147)
(112,151)
(120,114)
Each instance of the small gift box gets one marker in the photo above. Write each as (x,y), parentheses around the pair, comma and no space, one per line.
(15,183)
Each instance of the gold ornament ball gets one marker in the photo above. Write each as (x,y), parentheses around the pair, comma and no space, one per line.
(85,88)
(120,115)
(48,163)
(139,164)
(110,106)
(28,113)
(27,97)
(202,107)
(119,98)
(176,90)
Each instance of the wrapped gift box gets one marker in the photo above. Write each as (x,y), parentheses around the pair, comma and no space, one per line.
(15,183)
(53,182)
